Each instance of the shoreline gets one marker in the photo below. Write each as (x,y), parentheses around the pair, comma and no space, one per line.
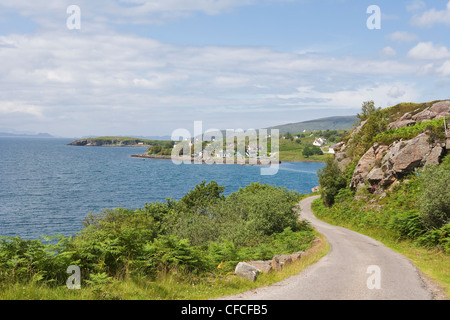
(159,157)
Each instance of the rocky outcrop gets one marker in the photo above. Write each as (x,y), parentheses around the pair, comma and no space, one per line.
(383,165)
(438,110)
(365,166)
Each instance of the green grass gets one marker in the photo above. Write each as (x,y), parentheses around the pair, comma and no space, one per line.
(407,133)
(397,111)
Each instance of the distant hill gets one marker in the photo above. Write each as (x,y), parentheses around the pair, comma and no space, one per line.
(158,138)
(38,135)
(332,123)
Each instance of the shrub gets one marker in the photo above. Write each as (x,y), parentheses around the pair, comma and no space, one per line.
(437,238)
(331,181)
(203,195)
(407,224)
(22,260)
(167,253)
(434,197)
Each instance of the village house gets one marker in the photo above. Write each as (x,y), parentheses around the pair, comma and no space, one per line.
(319,142)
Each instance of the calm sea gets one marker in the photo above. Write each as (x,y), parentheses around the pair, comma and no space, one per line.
(47,187)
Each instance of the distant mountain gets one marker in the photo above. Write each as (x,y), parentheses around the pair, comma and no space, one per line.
(38,135)
(332,123)
(159,138)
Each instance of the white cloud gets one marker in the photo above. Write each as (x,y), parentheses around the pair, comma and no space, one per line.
(431,17)
(388,52)
(396,92)
(416,5)
(402,37)
(444,70)
(428,51)
(14,107)
(383,94)
(94,14)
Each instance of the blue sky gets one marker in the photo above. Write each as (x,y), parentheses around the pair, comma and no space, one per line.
(148,67)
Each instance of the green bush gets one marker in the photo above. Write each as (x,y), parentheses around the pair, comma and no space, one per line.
(167,253)
(437,238)
(331,180)
(43,260)
(434,198)
(407,224)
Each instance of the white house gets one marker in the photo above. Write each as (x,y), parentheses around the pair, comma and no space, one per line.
(331,149)
(223,154)
(319,142)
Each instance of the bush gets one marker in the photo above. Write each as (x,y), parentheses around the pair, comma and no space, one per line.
(434,197)
(407,224)
(331,181)
(437,238)
(168,253)
(258,211)
(311,151)
(23,260)
(112,239)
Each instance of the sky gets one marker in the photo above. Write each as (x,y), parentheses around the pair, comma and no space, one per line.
(149,67)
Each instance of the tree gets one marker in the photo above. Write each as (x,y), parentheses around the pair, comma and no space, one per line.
(307,152)
(376,121)
(155,149)
(311,151)
(317,151)
(203,195)
(331,180)
(368,109)
(289,136)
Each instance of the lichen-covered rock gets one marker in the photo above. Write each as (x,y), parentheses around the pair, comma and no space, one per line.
(246,271)
(436,111)
(435,155)
(383,165)
(296,256)
(262,266)
(367,162)
(411,155)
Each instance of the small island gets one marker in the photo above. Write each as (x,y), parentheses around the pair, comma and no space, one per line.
(115,142)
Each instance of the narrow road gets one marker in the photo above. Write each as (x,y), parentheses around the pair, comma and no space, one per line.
(356,268)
